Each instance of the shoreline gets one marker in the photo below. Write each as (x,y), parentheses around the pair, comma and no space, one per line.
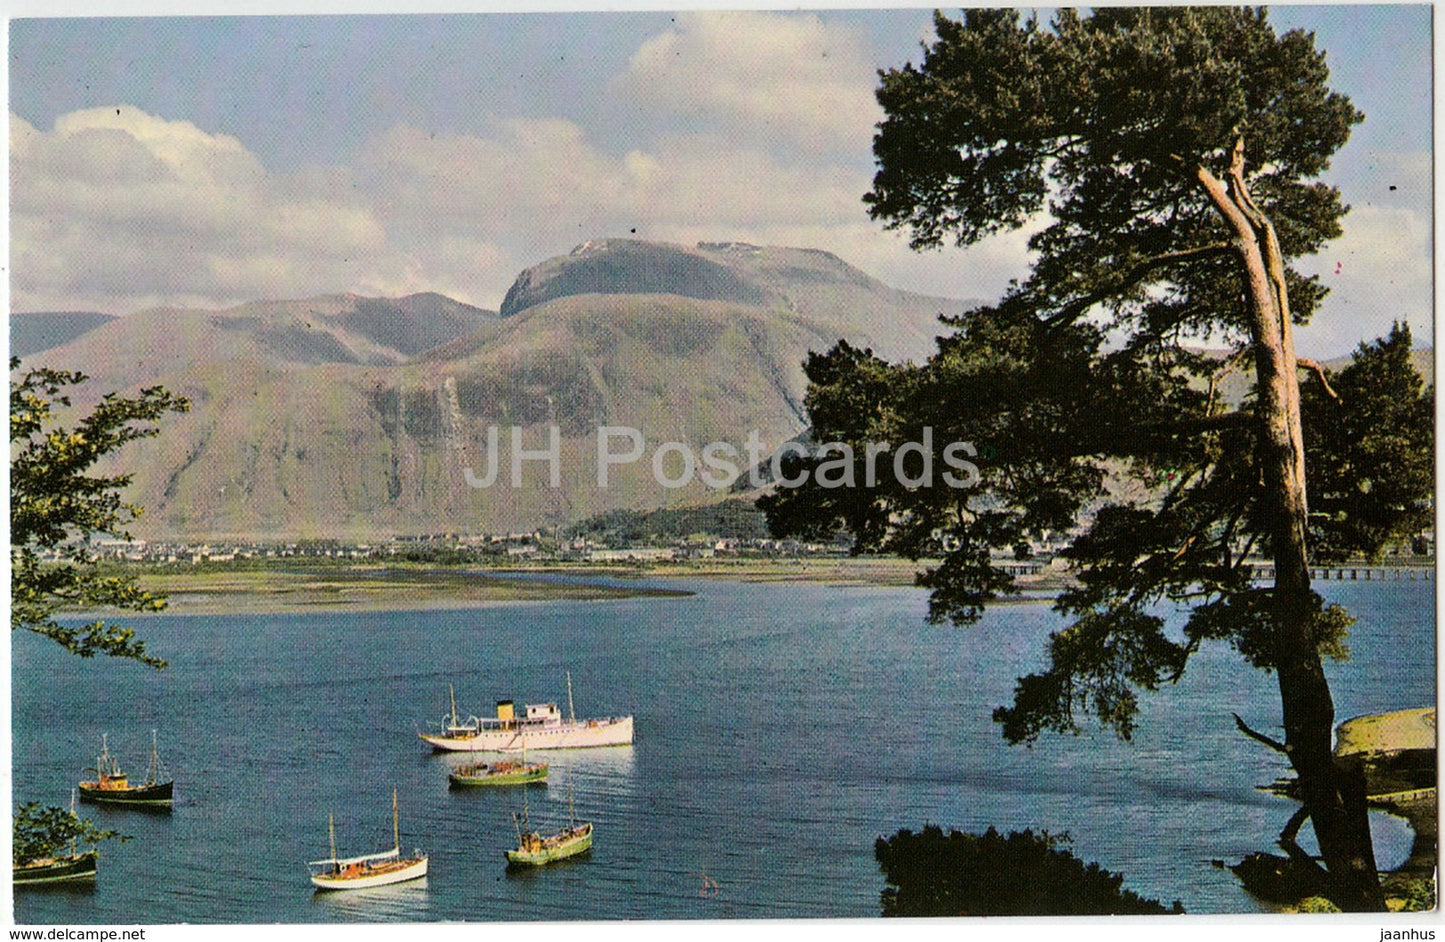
(1398,752)
(283,589)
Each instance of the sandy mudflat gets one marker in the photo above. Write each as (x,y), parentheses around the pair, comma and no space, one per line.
(1387,732)
(371,587)
(364,589)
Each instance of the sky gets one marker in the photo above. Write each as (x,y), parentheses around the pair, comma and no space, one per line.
(208,161)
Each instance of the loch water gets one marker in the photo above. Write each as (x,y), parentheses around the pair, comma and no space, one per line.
(780,730)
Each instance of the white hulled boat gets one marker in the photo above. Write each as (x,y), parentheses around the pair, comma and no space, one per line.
(368,870)
(542,726)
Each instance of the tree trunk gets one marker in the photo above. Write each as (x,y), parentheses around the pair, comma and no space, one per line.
(1334,800)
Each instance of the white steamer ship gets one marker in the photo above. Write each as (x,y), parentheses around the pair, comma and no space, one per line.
(542,726)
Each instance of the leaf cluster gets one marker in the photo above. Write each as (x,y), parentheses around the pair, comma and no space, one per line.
(57,503)
(1371,449)
(41,832)
(1100,121)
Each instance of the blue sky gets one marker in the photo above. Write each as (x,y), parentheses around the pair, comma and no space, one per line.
(210,161)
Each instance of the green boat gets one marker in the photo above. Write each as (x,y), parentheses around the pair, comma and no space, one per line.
(65,868)
(498,773)
(536,850)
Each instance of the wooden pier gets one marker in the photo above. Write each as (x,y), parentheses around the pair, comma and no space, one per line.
(1357,572)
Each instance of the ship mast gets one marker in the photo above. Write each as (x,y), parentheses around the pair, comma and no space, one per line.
(155,759)
(395,822)
(453,691)
(72,814)
(571,711)
(331,827)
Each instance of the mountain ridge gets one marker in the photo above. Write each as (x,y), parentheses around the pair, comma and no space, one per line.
(346,416)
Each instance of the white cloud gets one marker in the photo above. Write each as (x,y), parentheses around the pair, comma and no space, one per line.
(773,78)
(118,212)
(116,209)
(1379,271)
(754,127)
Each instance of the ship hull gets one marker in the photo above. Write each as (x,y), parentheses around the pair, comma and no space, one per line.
(159,794)
(399,873)
(61,870)
(540,858)
(585,734)
(461,778)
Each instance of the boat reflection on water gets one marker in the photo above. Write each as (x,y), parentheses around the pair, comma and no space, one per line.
(400,900)
(615,762)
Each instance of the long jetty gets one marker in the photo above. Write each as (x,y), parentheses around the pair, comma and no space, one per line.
(1356,572)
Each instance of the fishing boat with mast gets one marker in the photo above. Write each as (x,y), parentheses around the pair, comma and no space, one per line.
(368,870)
(538,850)
(542,727)
(112,786)
(44,865)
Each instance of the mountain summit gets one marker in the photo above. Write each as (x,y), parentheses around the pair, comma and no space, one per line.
(626,266)
(806,284)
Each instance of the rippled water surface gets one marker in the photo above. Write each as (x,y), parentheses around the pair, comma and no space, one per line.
(780,730)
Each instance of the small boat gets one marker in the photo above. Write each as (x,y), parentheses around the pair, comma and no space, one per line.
(498,773)
(368,870)
(537,850)
(59,869)
(112,786)
(542,727)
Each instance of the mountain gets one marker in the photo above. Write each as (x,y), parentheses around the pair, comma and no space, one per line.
(35,331)
(354,417)
(341,329)
(808,285)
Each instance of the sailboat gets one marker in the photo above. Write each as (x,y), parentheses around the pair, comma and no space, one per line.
(368,870)
(112,786)
(537,850)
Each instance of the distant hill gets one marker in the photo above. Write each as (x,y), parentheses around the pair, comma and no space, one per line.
(735,519)
(350,417)
(626,266)
(32,332)
(337,329)
(354,417)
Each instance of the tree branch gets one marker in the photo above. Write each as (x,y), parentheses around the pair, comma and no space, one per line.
(1274,744)
(1290,832)
(1230,365)
(1131,278)
(1288,843)
(1319,370)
